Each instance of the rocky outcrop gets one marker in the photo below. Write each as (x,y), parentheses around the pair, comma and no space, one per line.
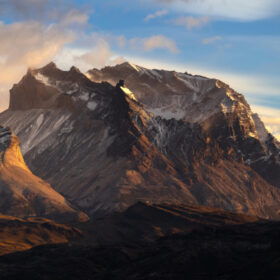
(22,193)
(19,234)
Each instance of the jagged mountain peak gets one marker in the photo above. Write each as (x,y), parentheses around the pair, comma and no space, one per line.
(75,69)
(50,65)
(48,68)
(51,87)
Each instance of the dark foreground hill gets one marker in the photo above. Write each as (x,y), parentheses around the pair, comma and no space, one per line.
(168,243)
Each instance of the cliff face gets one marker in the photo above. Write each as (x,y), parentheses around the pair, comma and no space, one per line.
(22,193)
(198,143)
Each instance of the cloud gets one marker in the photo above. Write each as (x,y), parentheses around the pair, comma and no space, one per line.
(249,10)
(153,43)
(211,40)
(121,41)
(29,44)
(99,56)
(74,17)
(156,14)
(40,29)
(191,22)
(48,11)
(32,43)
(25,8)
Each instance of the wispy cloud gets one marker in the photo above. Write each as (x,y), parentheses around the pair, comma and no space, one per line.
(73,17)
(249,10)
(211,40)
(191,22)
(153,43)
(99,56)
(156,14)
(38,44)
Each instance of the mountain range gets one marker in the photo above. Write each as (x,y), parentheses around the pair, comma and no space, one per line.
(123,134)
(134,173)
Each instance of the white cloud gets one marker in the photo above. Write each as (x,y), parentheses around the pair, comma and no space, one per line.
(28,44)
(156,14)
(191,22)
(99,56)
(211,40)
(153,43)
(228,9)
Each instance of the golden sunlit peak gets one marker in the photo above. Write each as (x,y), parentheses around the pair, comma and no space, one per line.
(128,92)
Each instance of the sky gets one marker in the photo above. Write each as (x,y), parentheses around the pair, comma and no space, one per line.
(236,41)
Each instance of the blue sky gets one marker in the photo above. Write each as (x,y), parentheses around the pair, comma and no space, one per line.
(235,41)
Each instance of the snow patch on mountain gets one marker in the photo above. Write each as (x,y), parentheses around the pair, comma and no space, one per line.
(84,96)
(92,105)
(40,120)
(167,113)
(43,79)
(185,79)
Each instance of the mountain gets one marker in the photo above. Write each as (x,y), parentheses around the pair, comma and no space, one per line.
(186,140)
(22,193)
(208,102)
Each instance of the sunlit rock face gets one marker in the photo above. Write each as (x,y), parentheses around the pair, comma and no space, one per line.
(158,136)
(22,193)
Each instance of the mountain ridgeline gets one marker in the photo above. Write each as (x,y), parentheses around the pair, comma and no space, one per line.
(159,137)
